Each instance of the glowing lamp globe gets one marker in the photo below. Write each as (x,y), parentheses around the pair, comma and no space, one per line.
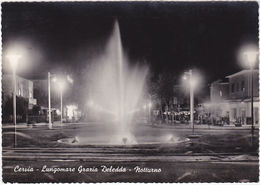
(251,57)
(13,59)
(248,55)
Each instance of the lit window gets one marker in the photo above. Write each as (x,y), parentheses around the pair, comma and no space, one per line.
(220,93)
(243,86)
(19,92)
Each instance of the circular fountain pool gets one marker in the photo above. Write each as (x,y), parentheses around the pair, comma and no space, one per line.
(108,138)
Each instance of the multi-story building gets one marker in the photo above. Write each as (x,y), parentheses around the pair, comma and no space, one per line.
(24,88)
(232,98)
(40,90)
(24,93)
(219,90)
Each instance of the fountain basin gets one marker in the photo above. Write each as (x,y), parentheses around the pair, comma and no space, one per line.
(122,141)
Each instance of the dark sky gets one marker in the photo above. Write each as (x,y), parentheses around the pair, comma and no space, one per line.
(167,36)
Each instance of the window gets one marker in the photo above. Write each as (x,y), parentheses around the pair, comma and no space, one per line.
(243,85)
(237,89)
(234,113)
(232,88)
(19,92)
(220,93)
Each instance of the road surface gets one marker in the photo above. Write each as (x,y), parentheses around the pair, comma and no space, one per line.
(216,156)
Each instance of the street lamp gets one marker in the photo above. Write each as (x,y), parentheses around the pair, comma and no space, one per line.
(13,58)
(49,97)
(251,57)
(188,76)
(149,109)
(61,85)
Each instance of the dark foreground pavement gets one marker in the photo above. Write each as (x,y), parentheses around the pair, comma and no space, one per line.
(170,172)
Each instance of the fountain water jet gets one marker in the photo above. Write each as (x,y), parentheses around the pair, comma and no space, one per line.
(116,88)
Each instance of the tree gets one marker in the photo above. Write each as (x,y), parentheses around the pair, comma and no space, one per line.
(36,110)
(21,109)
(161,90)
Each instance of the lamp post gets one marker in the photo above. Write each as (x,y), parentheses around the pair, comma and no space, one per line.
(251,57)
(61,85)
(149,106)
(49,99)
(13,58)
(188,76)
(61,107)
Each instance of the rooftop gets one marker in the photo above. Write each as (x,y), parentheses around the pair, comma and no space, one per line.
(241,72)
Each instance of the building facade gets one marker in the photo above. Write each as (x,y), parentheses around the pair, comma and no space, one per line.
(24,88)
(24,93)
(219,90)
(40,90)
(231,98)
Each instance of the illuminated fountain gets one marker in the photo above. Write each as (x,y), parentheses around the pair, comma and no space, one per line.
(115,88)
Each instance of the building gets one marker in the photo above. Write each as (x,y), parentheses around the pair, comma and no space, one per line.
(219,90)
(231,98)
(40,90)
(24,88)
(24,94)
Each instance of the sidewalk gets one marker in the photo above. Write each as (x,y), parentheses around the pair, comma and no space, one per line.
(159,125)
(25,125)
(187,126)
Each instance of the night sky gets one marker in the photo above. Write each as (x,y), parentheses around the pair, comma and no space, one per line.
(168,37)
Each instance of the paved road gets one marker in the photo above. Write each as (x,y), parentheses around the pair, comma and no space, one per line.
(108,133)
(216,156)
(197,167)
